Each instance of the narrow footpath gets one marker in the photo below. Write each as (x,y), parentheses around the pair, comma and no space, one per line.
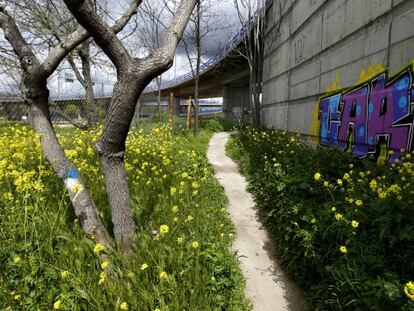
(266,285)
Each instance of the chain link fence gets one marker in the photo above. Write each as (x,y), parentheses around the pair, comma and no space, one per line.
(75,111)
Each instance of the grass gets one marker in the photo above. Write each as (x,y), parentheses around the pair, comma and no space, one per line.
(46,261)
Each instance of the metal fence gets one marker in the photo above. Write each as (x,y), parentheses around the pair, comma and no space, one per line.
(75,111)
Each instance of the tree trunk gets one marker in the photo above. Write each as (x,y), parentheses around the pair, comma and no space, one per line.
(159,99)
(111,148)
(84,53)
(197,75)
(196,105)
(79,195)
(251,103)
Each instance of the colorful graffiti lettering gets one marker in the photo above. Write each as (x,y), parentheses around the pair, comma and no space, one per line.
(371,117)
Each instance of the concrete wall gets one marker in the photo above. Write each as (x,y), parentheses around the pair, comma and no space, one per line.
(235,102)
(329,42)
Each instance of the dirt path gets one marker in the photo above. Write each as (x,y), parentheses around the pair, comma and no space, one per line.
(266,285)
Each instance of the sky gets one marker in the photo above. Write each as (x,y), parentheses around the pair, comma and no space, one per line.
(60,84)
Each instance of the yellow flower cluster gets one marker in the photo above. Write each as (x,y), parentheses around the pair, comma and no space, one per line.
(23,172)
(409,290)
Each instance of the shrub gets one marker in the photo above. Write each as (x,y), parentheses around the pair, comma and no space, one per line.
(344,227)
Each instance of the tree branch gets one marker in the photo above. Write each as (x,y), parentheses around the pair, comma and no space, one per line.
(164,55)
(104,36)
(75,69)
(13,35)
(80,35)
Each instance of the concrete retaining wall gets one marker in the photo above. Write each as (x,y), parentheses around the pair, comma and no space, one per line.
(330,44)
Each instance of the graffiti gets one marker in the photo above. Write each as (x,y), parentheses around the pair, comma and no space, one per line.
(372,118)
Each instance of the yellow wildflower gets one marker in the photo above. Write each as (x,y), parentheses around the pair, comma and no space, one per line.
(373,185)
(339,182)
(338,216)
(163,275)
(123,306)
(99,247)
(102,277)
(164,229)
(343,249)
(17,259)
(175,209)
(144,266)
(17,297)
(358,203)
(57,304)
(189,218)
(409,290)
(326,184)
(64,274)
(355,224)
(195,244)
(317,176)
(105,264)
(179,240)
(173,190)
(90,151)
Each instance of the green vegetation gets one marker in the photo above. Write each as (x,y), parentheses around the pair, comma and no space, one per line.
(181,259)
(343,227)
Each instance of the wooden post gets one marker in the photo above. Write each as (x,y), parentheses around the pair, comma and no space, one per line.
(171,106)
(189,114)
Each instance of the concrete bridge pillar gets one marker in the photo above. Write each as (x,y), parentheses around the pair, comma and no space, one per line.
(236,102)
(177,108)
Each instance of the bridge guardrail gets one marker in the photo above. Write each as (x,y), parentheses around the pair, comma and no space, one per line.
(232,42)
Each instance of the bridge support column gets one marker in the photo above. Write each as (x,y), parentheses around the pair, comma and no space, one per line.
(236,102)
(177,108)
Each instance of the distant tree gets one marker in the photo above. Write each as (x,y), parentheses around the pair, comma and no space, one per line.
(49,21)
(152,26)
(262,28)
(205,23)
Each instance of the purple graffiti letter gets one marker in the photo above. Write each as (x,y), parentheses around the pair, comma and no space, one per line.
(389,113)
(353,130)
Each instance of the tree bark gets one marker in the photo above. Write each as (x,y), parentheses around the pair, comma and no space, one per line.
(79,195)
(84,54)
(159,99)
(197,76)
(111,148)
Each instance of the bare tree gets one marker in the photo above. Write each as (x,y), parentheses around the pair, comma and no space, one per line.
(204,24)
(133,75)
(152,27)
(261,31)
(36,94)
(49,22)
